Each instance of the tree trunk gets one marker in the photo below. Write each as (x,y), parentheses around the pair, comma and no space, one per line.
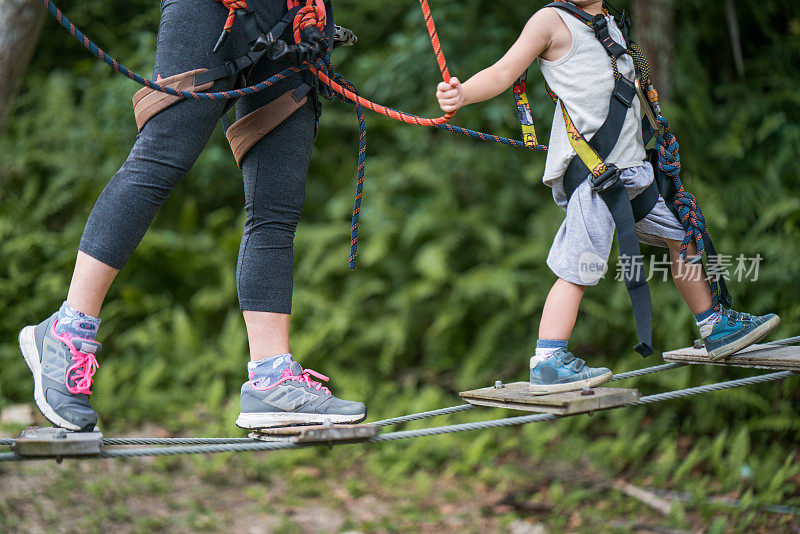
(653,24)
(20,23)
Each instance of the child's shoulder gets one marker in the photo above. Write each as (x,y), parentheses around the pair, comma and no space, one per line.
(547,19)
(546,13)
(548,23)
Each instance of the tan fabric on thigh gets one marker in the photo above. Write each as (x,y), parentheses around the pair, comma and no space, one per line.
(149,102)
(246,132)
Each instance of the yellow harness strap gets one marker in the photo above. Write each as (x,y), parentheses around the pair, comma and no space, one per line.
(588,155)
(524,111)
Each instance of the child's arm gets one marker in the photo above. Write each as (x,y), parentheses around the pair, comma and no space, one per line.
(536,39)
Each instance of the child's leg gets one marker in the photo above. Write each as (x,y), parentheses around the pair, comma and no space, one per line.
(724,332)
(561,310)
(553,368)
(690,279)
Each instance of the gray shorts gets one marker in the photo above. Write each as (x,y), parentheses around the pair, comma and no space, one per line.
(583,243)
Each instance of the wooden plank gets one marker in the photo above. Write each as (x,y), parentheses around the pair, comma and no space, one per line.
(57,442)
(761,356)
(517,396)
(318,433)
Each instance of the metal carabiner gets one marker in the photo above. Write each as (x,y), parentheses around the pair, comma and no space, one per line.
(649,110)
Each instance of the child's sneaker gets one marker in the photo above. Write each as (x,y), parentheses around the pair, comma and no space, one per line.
(562,371)
(735,331)
(62,368)
(295,399)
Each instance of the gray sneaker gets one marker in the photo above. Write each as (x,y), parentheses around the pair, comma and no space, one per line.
(295,399)
(62,368)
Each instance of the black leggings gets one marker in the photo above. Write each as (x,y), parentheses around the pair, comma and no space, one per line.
(274,169)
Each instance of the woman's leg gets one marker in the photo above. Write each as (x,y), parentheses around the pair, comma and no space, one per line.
(275,173)
(163,153)
(60,351)
(90,282)
(267,333)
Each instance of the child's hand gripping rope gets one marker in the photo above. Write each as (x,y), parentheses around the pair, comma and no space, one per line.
(450,95)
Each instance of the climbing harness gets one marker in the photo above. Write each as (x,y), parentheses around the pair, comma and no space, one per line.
(182,446)
(308,24)
(190,86)
(604,178)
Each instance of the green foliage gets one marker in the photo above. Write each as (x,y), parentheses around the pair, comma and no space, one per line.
(451,278)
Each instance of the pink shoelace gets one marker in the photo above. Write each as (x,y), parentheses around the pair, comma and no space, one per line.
(82,370)
(305,376)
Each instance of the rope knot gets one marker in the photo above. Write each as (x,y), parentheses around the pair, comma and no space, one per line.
(311,14)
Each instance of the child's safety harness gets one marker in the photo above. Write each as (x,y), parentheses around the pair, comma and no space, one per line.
(604,177)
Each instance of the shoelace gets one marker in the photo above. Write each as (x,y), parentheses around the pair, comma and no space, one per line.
(82,370)
(305,376)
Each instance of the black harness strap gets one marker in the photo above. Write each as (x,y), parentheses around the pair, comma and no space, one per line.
(259,45)
(624,211)
(600,25)
(573,10)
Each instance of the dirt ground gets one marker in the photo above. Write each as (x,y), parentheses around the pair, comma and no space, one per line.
(222,494)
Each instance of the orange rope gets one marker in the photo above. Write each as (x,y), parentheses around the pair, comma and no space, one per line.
(232,6)
(305,19)
(311,14)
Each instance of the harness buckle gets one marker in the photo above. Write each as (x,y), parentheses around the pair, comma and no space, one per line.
(231,69)
(605,180)
(600,24)
(625,91)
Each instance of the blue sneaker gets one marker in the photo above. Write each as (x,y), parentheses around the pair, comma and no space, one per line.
(62,368)
(736,331)
(564,372)
(294,399)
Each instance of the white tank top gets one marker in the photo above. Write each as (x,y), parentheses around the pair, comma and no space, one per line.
(584,80)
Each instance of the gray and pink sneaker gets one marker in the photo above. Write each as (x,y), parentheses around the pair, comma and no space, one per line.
(294,399)
(62,366)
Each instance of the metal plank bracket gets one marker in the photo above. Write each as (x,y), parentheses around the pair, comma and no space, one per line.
(326,433)
(57,443)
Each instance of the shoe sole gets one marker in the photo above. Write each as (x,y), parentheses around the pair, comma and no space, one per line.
(253,421)
(571,386)
(27,345)
(753,337)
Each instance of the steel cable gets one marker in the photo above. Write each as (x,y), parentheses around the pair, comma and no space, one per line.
(253,445)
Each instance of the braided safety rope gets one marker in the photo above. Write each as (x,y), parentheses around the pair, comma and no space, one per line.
(689,213)
(360,166)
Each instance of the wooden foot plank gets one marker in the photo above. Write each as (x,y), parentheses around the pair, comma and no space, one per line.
(517,396)
(760,356)
(57,442)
